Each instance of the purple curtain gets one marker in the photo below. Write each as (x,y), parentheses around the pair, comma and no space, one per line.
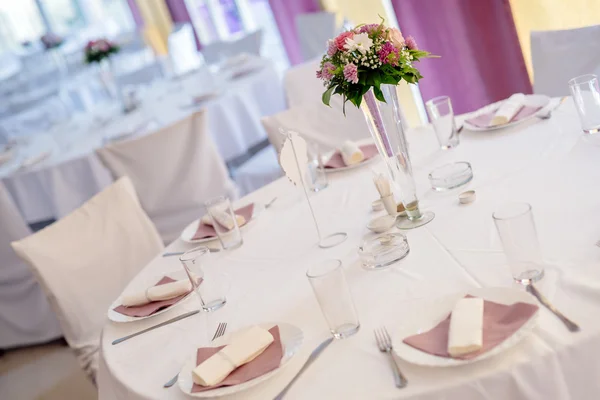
(285,12)
(481,59)
(180,14)
(135,12)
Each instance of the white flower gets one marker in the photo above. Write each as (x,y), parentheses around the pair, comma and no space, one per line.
(360,42)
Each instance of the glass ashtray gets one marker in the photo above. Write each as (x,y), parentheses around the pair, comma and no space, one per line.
(451,175)
(383,250)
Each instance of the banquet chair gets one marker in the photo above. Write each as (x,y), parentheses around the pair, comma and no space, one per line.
(25,315)
(220,51)
(319,124)
(314,29)
(174,170)
(559,56)
(183,53)
(301,84)
(85,260)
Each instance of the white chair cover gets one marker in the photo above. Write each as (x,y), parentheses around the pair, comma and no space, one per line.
(319,124)
(558,56)
(25,315)
(10,65)
(174,171)
(302,85)
(142,76)
(85,260)
(182,50)
(314,29)
(220,51)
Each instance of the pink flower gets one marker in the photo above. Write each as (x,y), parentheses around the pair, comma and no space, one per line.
(368,28)
(411,43)
(340,41)
(327,71)
(389,54)
(395,36)
(351,73)
(331,47)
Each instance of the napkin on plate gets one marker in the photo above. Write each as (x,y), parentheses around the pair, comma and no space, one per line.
(207,231)
(508,109)
(485,120)
(267,361)
(500,321)
(152,307)
(166,291)
(337,161)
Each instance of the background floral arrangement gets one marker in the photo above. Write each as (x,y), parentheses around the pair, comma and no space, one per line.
(366,57)
(51,40)
(98,50)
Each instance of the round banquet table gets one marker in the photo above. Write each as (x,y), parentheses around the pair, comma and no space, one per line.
(71,173)
(544,162)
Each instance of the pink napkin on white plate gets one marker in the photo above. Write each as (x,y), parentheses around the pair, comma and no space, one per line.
(500,322)
(336,160)
(206,231)
(483,120)
(267,361)
(152,307)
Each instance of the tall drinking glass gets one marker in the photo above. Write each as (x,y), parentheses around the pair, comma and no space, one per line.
(518,235)
(333,294)
(317,178)
(441,115)
(586,96)
(210,287)
(224,222)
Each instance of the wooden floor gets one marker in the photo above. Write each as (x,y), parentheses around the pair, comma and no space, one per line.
(45,372)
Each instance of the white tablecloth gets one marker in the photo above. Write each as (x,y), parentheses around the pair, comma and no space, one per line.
(546,163)
(72,173)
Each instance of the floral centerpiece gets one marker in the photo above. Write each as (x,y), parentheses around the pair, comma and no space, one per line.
(51,40)
(98,50)
(365,65)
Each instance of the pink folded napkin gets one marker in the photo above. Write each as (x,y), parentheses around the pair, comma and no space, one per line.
(152,307)
(206,231)
(336,160)
(499,323)
(267,361)
(483,120)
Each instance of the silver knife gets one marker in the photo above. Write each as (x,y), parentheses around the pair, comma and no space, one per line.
(571,326)
(313,356)
(178,318)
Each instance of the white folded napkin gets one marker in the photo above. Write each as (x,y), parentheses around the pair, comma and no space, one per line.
(508,109)
(351,153)
(466,327)
(157,293)
(224,219)
(244,348)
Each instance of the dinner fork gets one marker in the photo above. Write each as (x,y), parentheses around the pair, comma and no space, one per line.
(384,342)
(221,328)
(548,114)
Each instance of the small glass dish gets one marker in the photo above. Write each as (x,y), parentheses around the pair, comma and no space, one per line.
(383,250)
(451,175)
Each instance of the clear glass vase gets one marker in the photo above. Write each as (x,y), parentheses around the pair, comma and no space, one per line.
(386,126)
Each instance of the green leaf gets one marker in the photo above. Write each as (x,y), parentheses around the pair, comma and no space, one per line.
(326,98)
(378,94)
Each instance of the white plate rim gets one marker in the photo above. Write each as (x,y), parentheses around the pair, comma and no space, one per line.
(121,318)
(191,228)
(444,305)
(294,336)
(542,98)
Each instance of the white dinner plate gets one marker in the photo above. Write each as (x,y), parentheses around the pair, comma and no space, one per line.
(532,100)
(432,312)
(143,285)
(291,340)
(349,167)
(190,230)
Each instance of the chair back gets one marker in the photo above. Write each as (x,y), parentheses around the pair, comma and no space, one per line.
(182,50)
(85,260)
(559,56)
(314,29)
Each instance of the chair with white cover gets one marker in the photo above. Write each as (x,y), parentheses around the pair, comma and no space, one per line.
(174,170)
(319,124)
(220,51)
(25,315)
(559,56)
(302,85)
(142,76)
(85,260)
(183,53)
(314,29)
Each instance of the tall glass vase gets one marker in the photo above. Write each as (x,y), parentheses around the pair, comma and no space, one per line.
(386,126)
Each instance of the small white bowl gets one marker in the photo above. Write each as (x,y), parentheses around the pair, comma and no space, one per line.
(467,197)
(377,205)
(381,224)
